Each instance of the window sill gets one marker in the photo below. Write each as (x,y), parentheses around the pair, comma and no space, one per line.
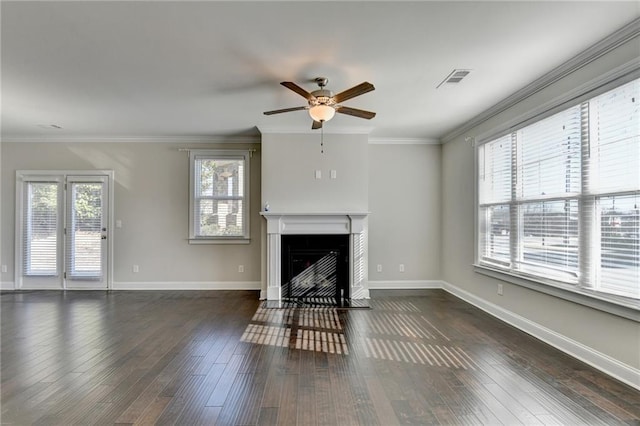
(198,241)
(615,305)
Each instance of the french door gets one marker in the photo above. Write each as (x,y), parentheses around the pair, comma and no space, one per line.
(63,238)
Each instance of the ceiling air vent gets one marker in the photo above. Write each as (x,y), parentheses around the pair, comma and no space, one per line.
(455,77)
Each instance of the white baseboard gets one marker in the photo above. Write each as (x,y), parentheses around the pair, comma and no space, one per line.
(188,285)
(602,362)
(405,285)
(7,285)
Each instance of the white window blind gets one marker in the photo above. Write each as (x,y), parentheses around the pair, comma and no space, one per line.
(615,180)
(495,170)
(614,120)
(548,182)
(549,241)
(619,245)
(549,157)
(219,196)
(40,232)
(562,202)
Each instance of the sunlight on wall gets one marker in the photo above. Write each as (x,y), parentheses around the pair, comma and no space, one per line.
(121,163)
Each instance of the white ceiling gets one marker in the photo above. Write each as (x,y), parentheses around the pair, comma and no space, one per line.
(209,69)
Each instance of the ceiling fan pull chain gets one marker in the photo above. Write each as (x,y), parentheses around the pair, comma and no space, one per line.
(322,140)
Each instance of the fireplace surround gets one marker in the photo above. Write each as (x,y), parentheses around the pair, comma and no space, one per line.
(353,224)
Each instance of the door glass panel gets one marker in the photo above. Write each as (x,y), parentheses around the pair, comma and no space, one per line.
(85,231)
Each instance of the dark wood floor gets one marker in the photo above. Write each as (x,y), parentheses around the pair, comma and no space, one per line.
(209,358)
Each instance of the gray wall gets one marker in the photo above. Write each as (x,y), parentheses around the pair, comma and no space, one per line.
(288,173)
(604,333)
(151,200)
(404,224)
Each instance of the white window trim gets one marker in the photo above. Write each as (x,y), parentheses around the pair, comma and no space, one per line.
(616,305)
(246,154)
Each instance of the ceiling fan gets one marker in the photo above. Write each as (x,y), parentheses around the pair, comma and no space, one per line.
(323,104)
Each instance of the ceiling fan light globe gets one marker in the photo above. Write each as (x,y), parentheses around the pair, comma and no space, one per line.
(322,113)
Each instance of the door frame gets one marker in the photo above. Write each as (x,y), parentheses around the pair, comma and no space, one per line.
(20,179)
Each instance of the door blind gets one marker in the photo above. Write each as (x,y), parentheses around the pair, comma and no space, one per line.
(40,221)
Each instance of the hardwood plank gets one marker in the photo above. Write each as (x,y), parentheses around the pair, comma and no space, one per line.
(221,389)
(382,405)
(195,405)
(179,400)
(268,416)
(325,408)
(288,407)
(161,375)
(153,411)
(208,416)
(275,378)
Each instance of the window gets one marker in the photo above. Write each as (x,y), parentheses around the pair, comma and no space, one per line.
(41,228)
(559,199)
(219,194)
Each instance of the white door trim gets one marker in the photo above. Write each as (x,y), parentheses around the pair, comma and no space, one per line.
(20,175)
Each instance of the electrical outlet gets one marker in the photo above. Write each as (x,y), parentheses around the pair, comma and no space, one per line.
(379,268)
(318,174)
(136,269)
(401,267)
(4,268)
(240,268)
(500,289)
(334,174)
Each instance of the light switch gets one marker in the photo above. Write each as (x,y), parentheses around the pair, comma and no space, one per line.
(318,174)
(118,223)
(334,174)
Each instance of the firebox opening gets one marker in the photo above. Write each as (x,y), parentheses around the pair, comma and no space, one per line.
(315,269)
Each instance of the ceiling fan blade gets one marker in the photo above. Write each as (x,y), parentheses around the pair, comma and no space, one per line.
(358,90)
(316,125)
(356,112)
(299,90)
(279,111)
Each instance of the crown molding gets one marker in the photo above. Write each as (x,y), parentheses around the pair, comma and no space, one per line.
(404,141)
(215,139)
(605,82)
(606,45)
(356,130)
(131,139)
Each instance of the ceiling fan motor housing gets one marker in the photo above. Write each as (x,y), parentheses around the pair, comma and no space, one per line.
(322,97)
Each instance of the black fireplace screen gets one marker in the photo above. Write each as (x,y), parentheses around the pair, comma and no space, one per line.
(315,267)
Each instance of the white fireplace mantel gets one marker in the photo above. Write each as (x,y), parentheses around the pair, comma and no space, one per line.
(352,223)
